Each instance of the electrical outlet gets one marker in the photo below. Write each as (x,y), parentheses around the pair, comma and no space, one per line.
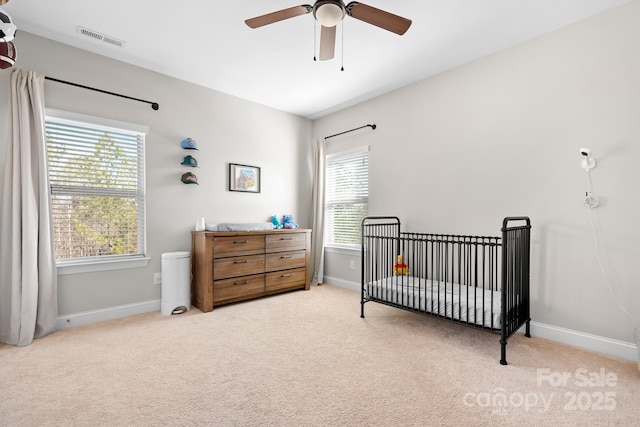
(157,278)
(352,265)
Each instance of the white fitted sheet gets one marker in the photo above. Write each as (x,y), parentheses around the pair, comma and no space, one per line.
(450,300)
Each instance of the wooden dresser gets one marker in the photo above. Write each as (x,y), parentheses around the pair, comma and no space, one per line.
(234,266)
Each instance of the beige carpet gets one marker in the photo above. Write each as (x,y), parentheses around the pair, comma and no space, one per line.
(307,358)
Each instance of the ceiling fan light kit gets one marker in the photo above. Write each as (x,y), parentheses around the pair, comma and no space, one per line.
(329,13)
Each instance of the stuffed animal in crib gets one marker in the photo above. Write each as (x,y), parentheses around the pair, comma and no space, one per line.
(276,222)
(288,222)
(400,268)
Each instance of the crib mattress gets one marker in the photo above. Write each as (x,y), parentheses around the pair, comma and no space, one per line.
(451,300)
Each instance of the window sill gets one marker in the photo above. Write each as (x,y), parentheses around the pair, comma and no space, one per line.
(343,250)
(75,267)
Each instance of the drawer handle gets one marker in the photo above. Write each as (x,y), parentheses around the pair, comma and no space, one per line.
(240,241)
(286,238)
(287,275)
(241,283)
(285,257)
(241,262)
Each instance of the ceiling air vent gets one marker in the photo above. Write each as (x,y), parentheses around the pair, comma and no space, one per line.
(100,37)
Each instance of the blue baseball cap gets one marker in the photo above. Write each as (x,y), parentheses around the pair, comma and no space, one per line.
(189,144)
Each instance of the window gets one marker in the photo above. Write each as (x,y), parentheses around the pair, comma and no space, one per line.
(346,197)
(96,174)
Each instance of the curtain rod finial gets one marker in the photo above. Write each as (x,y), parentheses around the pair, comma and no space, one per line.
(373,126)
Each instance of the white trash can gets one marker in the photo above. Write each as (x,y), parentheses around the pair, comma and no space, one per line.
(176,283)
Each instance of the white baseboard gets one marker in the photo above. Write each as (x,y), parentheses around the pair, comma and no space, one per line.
(608,346)
(94,316)
(353,286)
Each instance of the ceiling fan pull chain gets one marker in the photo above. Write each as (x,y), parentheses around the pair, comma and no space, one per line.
(342,48)
(314,39)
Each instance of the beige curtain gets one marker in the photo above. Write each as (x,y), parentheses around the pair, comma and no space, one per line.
(317,220)
(28,280)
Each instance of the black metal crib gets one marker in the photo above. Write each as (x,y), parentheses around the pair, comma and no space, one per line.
(478,281)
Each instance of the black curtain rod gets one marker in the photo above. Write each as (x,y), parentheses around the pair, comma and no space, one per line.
(351,130)
(154,105)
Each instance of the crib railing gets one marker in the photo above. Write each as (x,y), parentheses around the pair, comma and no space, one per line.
(465,260)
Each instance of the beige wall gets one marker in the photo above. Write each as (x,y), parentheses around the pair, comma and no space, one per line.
(226,128)
(501,137)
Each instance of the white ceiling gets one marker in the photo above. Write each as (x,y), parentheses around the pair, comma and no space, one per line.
(208,43)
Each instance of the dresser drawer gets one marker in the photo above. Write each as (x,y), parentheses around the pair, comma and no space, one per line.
(224,246)
(238,287)
(286,279)
(285,242)
(237,266)
(285,260)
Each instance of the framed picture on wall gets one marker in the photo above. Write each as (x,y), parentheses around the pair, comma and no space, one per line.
(244,178)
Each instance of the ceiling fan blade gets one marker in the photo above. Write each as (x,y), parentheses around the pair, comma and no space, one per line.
(327,42)
(379,18)
(280,15)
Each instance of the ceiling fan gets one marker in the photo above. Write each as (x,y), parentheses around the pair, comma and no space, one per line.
(331,12)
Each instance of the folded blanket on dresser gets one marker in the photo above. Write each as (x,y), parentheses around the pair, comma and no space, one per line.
(238,226)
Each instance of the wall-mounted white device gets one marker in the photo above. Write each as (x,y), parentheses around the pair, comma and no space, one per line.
(588,162)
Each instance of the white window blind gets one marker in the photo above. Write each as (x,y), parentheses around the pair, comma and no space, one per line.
(96,174)
(346,197)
